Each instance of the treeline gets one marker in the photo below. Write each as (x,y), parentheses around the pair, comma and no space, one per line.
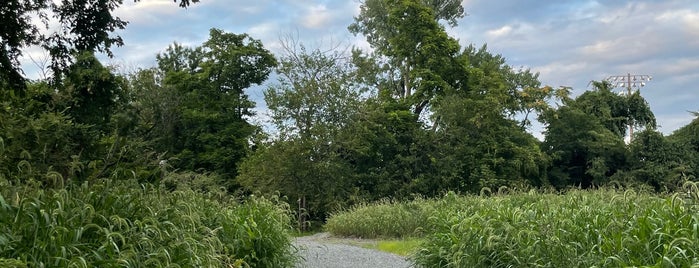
(416,115)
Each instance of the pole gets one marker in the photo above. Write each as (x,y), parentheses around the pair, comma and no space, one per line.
(628,88)
(629,81)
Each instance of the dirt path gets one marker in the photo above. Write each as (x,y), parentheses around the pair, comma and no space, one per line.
(323,251)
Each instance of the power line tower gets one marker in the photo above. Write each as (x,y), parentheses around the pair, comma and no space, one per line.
(630,82)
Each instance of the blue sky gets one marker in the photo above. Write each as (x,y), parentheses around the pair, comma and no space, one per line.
(569,43)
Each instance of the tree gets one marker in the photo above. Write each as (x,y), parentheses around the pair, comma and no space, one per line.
(687,137)
(194,105)
(470,97)
(417,52)
(311,105)
(656,161)
(584,153)
(387,147)
(91,92)
(86,25)
(584,137)
(481,144)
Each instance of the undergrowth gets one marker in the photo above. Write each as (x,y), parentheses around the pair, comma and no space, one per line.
(126,224)
(580,228)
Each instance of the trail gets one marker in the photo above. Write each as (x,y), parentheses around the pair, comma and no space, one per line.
(322,251)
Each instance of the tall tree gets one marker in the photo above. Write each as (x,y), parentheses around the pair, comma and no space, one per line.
(407,36)
(311,105)
(86,25)
(199,94)
(585,136)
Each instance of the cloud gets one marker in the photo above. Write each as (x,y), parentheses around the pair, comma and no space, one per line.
(316,17)
(684,18)
(146,11)
(500,32)
(681,66)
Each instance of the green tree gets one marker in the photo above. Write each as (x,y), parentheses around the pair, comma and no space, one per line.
(85,25)
(388,149)
(659,162)
(413,55)
(482,144)
(310,106)
(194,106)
(585,136)
(687,138)
(470,97)
(91,93)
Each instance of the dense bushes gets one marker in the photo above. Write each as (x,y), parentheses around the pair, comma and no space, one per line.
(109,224)
(595,228)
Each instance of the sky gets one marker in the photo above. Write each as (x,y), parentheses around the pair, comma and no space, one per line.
(569,42)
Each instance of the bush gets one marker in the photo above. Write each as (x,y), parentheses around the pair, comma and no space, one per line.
(109,224)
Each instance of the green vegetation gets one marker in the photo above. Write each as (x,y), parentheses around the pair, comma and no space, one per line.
(109,223)
(580,228)
(383,219)
(400,247)
(141,169)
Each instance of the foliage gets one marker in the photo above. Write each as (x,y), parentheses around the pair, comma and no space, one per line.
(687,137)
(36,140)
(78,133)
(90,94)
(111,223)
(544,230)
(416,52)
(584,137)
(310,107)
(85,26)
(11,263)
(658,162)
(463,135)
(382,219)
(583,228)
(193,106)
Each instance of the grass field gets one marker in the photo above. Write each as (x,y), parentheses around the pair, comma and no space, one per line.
(126,224)
(579,228)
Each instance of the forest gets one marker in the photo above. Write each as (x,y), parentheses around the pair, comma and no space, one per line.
(417,116)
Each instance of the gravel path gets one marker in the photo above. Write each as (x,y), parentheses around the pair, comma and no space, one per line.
(323,251)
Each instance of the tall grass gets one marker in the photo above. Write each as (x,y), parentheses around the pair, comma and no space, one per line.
(597,228)
(110,224)
(383,219)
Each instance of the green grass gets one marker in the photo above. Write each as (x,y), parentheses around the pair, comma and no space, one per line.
(596,228)
(126,224)
(404,247)
(384,219)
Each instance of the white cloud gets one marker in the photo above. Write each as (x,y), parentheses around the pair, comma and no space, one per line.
(316,16)
(500,32)
(687,19)
(146,11)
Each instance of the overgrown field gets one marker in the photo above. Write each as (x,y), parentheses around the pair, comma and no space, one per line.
(593,228)
(124,224)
